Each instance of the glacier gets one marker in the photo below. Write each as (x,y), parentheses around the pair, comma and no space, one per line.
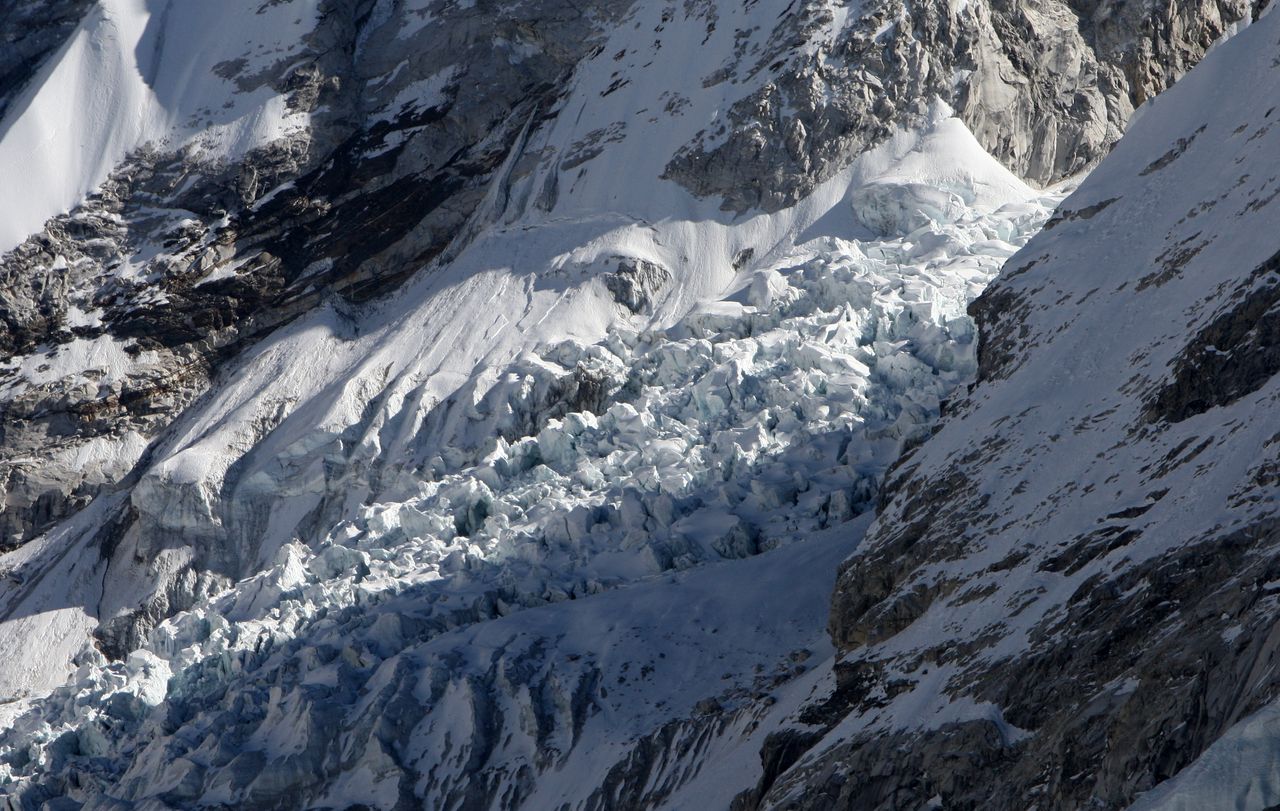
(754,424)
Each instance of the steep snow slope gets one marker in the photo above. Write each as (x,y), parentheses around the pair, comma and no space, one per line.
(143,72)
(33,31)
(1073,581)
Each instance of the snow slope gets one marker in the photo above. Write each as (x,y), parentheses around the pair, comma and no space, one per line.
(142,73)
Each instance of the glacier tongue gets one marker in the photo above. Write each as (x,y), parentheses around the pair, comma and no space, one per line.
(415,520)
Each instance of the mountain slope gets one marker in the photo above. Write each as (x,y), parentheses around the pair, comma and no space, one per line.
(364,138)
(380,333)
(1072,582)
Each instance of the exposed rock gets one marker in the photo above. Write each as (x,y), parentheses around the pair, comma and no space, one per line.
(1047,88)
(637,283)
(1235,355)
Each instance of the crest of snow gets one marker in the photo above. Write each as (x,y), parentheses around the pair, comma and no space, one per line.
(933,175)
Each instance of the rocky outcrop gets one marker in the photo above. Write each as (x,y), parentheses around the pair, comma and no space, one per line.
(1046,87)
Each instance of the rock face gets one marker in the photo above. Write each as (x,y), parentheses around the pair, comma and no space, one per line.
(1046,87)
(1067,596)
